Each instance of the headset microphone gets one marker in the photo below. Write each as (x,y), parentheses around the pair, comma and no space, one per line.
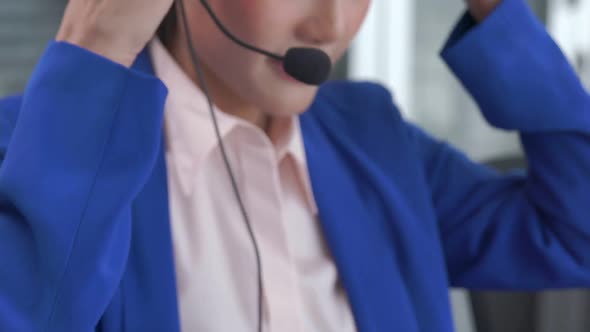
(308,65)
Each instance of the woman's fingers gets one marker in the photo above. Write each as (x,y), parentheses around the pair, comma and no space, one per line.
(116,29)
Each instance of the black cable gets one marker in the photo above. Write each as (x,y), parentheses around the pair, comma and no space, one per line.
(230,172)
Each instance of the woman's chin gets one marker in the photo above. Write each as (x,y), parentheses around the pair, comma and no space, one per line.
(293,101)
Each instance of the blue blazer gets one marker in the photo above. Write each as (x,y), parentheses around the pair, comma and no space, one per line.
(85,239)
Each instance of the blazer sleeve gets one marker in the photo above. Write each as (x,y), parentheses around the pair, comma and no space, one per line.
(526,229)
(83,145)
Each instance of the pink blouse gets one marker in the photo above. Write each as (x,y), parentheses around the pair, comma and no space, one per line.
(214,257)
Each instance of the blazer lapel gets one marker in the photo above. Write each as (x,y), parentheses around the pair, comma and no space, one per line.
(359,238)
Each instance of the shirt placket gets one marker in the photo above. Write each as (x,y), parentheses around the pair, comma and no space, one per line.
(263,202)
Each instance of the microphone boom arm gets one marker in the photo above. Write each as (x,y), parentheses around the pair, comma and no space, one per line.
(236,39)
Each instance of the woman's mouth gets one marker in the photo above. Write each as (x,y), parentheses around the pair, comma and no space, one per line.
(280,70)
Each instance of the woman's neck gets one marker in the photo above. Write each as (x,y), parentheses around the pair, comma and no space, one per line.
(223,97)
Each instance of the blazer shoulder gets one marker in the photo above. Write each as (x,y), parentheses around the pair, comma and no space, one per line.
(357,106)
(346,93)
(9,109)
(358,98)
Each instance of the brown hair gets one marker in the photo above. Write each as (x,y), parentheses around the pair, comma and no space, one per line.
(167,28)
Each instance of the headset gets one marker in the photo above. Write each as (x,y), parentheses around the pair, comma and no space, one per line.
(308,65)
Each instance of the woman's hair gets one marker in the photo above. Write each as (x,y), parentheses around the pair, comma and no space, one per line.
(167,28)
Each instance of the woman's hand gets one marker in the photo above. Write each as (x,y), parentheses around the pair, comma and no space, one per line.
(480,9)
(116,29)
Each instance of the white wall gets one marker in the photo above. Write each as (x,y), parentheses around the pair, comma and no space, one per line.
(384,49)
(569,24)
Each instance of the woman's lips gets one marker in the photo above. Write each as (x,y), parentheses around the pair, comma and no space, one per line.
(278,67)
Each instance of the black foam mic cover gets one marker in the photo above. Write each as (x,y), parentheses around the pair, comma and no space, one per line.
(308,65)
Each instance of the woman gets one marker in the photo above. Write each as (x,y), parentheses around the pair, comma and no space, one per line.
(117,214)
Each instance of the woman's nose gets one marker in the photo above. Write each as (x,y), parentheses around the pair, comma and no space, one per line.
(325,24)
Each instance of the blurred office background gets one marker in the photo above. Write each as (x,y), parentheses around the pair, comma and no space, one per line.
(398,46)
